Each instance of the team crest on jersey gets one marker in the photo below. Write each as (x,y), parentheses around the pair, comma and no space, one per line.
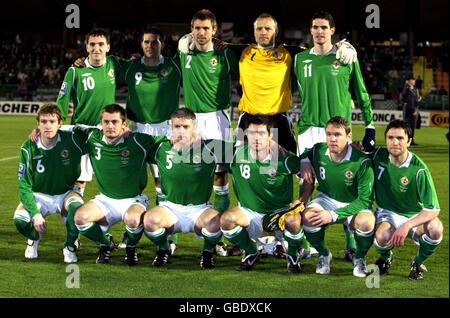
(164,72)
(349,174)
(111,72)
(21,170)
(65,153)
(63,88)
(272,172)
(336,64)
(196,159)
(213,62)
(404,181)
(277,55)
(125,153)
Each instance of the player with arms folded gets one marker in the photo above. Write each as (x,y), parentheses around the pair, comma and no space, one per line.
(406,199)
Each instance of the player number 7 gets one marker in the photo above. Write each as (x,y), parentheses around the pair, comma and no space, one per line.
(381,171)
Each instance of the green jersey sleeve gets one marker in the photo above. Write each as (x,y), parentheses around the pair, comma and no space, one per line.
(426,191)
(25,182)
(65,92)
(364,200)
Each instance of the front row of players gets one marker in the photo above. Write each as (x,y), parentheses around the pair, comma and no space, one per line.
(262,179)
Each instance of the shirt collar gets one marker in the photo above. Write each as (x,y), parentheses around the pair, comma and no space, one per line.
(406,163)
(161,61)
(86,61)
(40,145)
(347,155)
(121,140)
(332,51)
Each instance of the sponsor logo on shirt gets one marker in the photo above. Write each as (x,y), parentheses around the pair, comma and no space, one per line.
(307,61)
(63,88)
(21,170)
(38,157)
(86,74)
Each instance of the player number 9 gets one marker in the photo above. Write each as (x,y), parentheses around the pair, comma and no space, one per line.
(138,77)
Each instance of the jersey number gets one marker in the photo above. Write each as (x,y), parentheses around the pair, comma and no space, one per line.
(169,161)
(88,83)
(245,171)
(188,63)
(307,70)
(381,171)
(138,78)
(98,156)
(40,167)
(322,173)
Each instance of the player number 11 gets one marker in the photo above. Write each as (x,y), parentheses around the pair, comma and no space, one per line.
(307,70)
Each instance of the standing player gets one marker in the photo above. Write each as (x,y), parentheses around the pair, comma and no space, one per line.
(187,175)
(207,75)
(407,201)
(262,180)
(345,177)
(121,172)
(90,88)
(324,85)
(48,170)
(154,83)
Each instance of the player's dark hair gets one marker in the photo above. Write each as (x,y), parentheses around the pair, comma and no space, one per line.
(114,108)
(267,16)
(183,113)
(397,123)
(339,122)
(323,15)
(156,31)
(51,109)
(205,14)
(261,120)
(98,32)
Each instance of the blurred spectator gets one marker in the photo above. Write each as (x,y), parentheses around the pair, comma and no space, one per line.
(419,84)
(443,91)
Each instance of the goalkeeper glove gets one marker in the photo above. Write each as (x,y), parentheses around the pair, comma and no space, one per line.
(346,53)
(369,141)
(186,43)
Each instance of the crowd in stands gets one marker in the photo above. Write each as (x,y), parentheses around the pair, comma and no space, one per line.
(31,65)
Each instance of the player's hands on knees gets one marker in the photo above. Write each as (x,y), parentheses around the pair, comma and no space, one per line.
(307,172)
(398,238)
(79,62)
(39,223)
(320,217)
(35,133)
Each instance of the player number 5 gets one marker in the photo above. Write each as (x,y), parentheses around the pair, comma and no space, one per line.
(169,161)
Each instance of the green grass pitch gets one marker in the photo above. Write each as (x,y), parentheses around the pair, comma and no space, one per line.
(182,277)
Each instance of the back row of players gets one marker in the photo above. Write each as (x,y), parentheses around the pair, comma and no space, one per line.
(259,172)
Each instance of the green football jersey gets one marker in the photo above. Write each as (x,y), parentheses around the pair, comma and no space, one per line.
(207,79)
(263,186)
(153,91)
(120,169)
(405,190)
(349,181)
(187,177)
(91,89)
(49,171)
(324,86)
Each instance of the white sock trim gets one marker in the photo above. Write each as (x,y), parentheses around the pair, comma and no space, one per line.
(430,241)
(136,230)
(383,248)
(292,236)
(233,232)
(311,229)
(72,200)
(364,234)
(157,233)
(84,227)
(206,233)
(221,190)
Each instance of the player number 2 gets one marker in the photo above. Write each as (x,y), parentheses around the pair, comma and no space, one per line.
(88,83)
(40,167)
(138,78)
(245,171)
(322,173)
(307,70)
(188,63)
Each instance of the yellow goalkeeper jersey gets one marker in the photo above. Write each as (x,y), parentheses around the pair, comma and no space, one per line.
(265,80)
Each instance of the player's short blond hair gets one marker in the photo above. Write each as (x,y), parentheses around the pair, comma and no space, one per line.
(266,16)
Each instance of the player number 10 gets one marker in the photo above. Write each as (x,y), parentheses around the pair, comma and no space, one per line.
(88,83)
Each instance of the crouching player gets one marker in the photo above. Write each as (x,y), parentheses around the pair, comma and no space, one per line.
(406,199)
(186,170)
(48,170)
(120,169)
(345,177)
(262,180)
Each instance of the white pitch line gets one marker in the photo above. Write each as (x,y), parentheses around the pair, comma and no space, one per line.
(9,158)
